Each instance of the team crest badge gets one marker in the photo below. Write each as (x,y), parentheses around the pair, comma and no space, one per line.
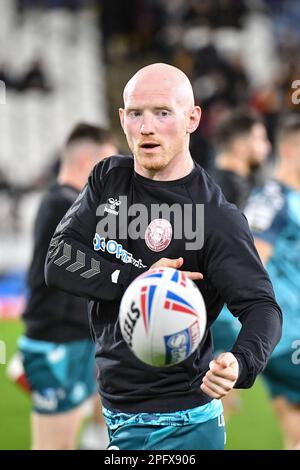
(158,235)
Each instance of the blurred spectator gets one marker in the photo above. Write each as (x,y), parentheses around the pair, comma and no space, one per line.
(55,342)
(132,26)
(273,215)
(217,14)
(243,147)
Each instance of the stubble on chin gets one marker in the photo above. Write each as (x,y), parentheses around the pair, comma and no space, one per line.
(152,163)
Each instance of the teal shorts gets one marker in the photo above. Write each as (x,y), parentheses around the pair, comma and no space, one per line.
(61,376)
(202,436)
(201,428)
(282,378)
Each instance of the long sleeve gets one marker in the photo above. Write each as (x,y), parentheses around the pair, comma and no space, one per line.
(72,264)
(234,268)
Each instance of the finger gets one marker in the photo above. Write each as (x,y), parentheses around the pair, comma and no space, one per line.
(179,262)
(226,360)
(225,383)
(220,390)
(172,263)
(225,373)
(168,263)
(209,392)
(194,276)
(230,372)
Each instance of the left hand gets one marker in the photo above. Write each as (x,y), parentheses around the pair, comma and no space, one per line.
(222,375)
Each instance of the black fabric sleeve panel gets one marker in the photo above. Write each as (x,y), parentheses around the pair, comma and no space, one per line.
(261,328)
(72,265)
(234,267)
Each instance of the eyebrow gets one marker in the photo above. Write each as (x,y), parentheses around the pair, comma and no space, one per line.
(128,110)
(156,108)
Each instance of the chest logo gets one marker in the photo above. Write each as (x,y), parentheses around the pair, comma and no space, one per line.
(113,206)
(158,235)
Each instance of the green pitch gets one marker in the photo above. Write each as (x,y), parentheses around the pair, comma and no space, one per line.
(253,427)
(14,403)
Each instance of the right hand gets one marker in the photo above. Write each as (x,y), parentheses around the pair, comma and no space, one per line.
(176,264)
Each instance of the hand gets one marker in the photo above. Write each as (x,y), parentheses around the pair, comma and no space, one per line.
(176,264)
(222,375)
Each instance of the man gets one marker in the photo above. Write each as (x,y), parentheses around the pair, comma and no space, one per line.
(57,349)
(242,147)
(274,216)
(177,407)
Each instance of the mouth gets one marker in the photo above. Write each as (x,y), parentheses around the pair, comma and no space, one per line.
(149,146)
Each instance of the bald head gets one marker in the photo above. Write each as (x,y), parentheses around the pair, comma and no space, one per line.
(157,78)
(158,117)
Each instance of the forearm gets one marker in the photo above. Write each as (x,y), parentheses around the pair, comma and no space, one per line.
(73,267)
(260,332)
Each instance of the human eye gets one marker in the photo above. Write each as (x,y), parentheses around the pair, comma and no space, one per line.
(163,113)
(134,113)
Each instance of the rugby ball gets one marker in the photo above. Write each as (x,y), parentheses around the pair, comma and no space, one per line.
(162,317)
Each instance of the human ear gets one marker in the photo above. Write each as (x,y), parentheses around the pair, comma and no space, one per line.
(194,119)
(121,115)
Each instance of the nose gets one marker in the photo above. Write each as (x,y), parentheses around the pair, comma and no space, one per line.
(147,125)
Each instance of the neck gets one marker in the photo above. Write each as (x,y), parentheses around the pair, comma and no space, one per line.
(288,176)
(231,162)
(70,179)
(175,170)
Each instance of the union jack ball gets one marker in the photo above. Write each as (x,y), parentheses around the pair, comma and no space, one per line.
(162,317)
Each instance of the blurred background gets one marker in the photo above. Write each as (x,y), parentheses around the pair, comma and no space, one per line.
(65,61)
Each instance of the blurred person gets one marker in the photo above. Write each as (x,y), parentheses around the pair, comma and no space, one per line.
(57,349)
(242,148)
(273,213)
(174,407)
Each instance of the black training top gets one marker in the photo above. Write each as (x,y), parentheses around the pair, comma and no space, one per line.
(52,315)
(228,259)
